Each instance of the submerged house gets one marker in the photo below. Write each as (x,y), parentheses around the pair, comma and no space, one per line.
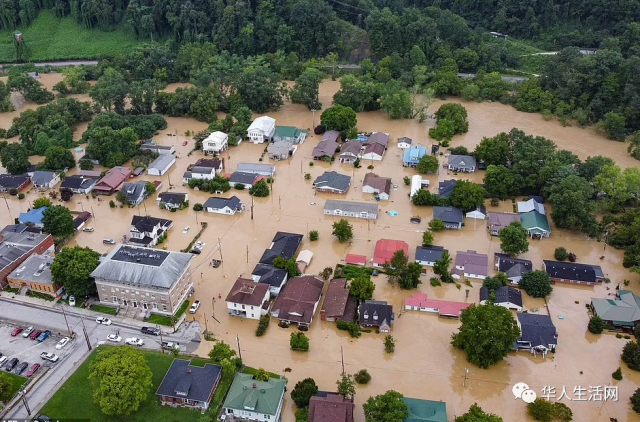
(538,334)
(620,313)
(376,313)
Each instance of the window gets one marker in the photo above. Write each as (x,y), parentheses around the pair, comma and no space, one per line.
(164,307)
(114,299)
(155,306)
(105,299)
(243,307)
(112,290)
(117,290)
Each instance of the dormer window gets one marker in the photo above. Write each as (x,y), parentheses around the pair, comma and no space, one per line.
(375,316)
(366,315)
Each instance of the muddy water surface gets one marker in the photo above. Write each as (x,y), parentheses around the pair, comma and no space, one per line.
(424,365)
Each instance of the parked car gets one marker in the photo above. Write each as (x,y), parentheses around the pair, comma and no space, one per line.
(194,307)
(3,359)
(49,356)
(33,369)
(114,338)
(20,368)
(72,301)
(103,320)
(108,241)
(88,229)
(27,331)
(63,342)
(196,251)
(134,341)
(42,418)
(44,335)
(169,345)
(216,263)
(416,220)
(150,330)
(186,229)
(11,364)
(34,335)
(16,331)
(184,144)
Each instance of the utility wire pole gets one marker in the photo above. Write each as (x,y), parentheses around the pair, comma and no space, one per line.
(24,400)
(342,359)
(64,314)
(86,336)
(466,374)
(161,341)
(220,248)
(239,351)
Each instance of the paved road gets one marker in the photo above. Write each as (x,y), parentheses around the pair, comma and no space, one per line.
(512,79)
(78,350)
(58,64)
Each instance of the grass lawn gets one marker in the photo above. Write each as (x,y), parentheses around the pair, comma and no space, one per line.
(104,309)
(11,289)
(16,382)
(166,320)
(253,371)
(39,295)
(74,400)
(50,38)
(354,271)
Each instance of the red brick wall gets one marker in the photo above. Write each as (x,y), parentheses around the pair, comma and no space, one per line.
(40,249)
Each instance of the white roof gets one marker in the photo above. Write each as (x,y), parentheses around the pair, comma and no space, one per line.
(531,205)
(416,184)
(217,137)
(305,256)
(263,123)
(163,161)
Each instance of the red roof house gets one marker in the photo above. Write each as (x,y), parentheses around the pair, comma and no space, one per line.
(330,407)
(112,180)
(356,259)
(420,302)
(386,248)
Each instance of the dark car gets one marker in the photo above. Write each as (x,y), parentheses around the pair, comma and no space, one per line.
(33,369)
(16,331)
(42,418)
(196,251)
(415,220)
(150,330)
(20,368)
(11,364)
(44,335)
(216,263)
(35,334)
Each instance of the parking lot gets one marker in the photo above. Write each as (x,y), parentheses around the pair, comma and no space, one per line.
(27,350)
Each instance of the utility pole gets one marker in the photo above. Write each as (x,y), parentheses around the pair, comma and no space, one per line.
(94,214)
(220,248)
(342,359)
(239,351)
(81,206)
(466,373)
(252,207)
(206,327)
(8,209)
(24,400)
(247,254)
(280,206)
(86,336)
(64,314)
(145,208)
(161,341)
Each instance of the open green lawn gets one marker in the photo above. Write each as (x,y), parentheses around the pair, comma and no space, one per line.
(74,400)
(16,382)
(354,271)
(104,309)
(166,320)
(50,38)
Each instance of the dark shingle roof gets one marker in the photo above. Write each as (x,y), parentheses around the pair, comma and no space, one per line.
(298,299)
(147,223)
(269,274)
(219,203)
(429,253)
(448,214)
(513,267)
(77,182)
(247,292)
(284,244)
(172,198)
(572,271)
(445,188)
(241,177)
(9,181)
(186,381)
(330,407)
(537,329)
(334,180)
(378,308)
(504,294)
(336,298)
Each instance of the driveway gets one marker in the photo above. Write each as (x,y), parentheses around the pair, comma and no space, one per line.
(74,353)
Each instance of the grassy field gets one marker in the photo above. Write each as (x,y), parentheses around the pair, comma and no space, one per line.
(165,320)
(75,399)
(104,309)
(16,382)
(50,38)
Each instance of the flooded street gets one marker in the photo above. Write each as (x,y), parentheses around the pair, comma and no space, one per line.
(424,365)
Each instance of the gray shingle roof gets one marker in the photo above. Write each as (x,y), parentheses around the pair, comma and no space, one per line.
(197,382)
(380,309)
(504,294)
(351,206)
(162,161)
(283,244)
(269,274)
(429,253)
(572,271)
(334,180)
(537,329)
(462,161)
(513,267)
(448,214)
(121,266)
(242,177)
(172,198)
(42,177)
(445,188)
(219,203)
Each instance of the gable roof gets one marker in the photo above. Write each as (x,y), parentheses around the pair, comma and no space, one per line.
(425,410)
(448,214)
(351,147)
(355,259)
(10,181)
(537,329)
(444,307)
(334,180)
(382,184)
(262,397)
(623,310)
(42,177)
(262,123)
(504,294)
(256,168)
(244,178)
(216,137)
(429,253)
(269,274)
(386,248)
(573,271)
(94,174)
(283,244)
(201,170)
(114,177)
(289,131)
(479,209)
(147,223)
(531,205)
(33,216)
(247,292)
(215,163)
(414,153)
(375,148)
(380,138)
(298,298)
(445,188)
(405,139)
(279,148)
(134,190)
(219,203)
(513,267)
(330,407)
(351,206)
(473,262)
(174,198)
(335,300)
(186,381)
(331,135)
(534,221)
(462,161)
(325,147)
(162,161)
(378,308)
(77,182)
(500,220)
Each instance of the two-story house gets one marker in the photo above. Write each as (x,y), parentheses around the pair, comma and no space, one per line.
(146,230)
(215,143)
(248,299)
(253,400)
(261,129)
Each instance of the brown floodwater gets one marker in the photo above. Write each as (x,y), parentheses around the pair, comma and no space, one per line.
(424,365)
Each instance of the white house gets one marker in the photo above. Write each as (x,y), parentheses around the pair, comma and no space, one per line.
(227,206)
(268,274)
(428,255)
(404,142)
(79,184)
(373,152)
(262,129)
(146,230)
(365,210)
(381,186)
(505,296)
(44,180)
(253,400)
(161,165)
(479,213)
(206,173)
(215,143)
(417,183)
(248,299)
(172,200)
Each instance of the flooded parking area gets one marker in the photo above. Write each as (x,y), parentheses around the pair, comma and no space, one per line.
(424,365)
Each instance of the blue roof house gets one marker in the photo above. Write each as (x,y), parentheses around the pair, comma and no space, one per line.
(413,155)
(33,217)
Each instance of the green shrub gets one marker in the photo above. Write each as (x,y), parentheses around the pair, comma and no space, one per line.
(21,195)
(560,254)
(351,327)
(362,376)
(313,235)
(596,325)
(112,204)
(617,375)
(435,282)
(263,325)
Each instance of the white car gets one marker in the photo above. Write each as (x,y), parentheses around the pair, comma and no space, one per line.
(114,338)
(63,342)
(72,301)
(134,341)
(194,307)
(88,229)
(186,229)
(103,320)
(27,331)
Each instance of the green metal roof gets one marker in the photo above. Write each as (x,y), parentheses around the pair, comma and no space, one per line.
(534,221)
(288,131)
(425,410)
(257,396)
(624,310)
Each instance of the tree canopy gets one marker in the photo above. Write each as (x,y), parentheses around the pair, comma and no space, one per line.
(72,268)
(467,195)
(476,414)
(536,283)
(57,221)
(343,230)
(303,391)
(514,239)
(339,118)
(362,288)
(15,158)
(387,407)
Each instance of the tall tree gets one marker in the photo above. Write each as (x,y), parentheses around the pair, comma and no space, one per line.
(362,288)
(514,239)
(387,407)
(467,195)
(15,158)
(346,387)
(306,88)
(476,414)
(343,230)
(339,118)
(573,204)
(536,283)
(110,91)
(303,391)
(57,158)
(57,221)
(72,268)
(500,182)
